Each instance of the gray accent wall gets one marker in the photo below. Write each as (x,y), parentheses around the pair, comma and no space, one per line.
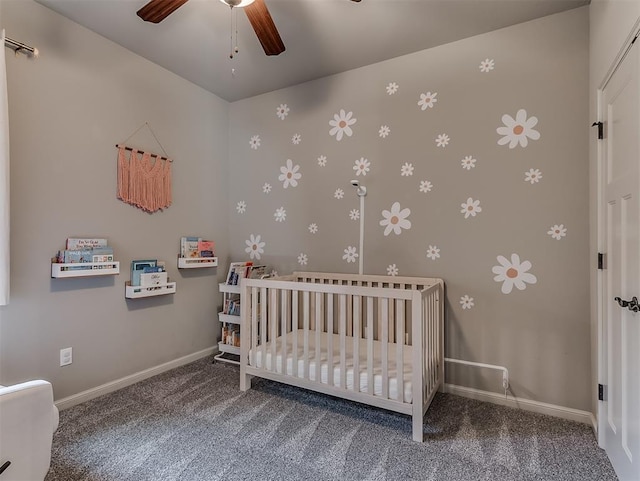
(67,110)
(482,180)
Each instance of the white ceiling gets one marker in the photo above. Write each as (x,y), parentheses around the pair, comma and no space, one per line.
(322,37)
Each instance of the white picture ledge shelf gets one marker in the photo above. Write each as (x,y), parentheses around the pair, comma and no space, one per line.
(84,269)
(136,292)
(197,262)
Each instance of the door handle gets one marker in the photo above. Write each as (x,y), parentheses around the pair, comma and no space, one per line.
(632,304)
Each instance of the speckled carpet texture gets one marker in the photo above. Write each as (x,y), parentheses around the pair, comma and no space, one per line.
(193,423)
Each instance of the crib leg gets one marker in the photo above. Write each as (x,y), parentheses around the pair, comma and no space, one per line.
(417,429)
(245,381)
(418,422)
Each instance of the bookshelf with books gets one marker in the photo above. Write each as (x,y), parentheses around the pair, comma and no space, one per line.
(148,279)
(196,252)
(84,257)
(229,316)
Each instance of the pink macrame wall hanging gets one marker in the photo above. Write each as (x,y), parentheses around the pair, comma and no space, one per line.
(144,179)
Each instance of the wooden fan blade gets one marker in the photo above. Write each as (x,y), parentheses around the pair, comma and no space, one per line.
(265,29)
(157,10)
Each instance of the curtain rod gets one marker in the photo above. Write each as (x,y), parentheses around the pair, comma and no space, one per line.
(19,47)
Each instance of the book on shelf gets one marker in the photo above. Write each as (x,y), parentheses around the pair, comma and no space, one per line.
(237,271)
(232,305)
(77,243)
(206,248)
(193,247)
(231,335)
(189,246)
(97,254)
(137,268)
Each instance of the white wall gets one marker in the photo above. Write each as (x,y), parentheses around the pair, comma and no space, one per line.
(67,110)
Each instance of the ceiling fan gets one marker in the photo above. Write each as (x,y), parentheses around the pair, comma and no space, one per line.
(257,12)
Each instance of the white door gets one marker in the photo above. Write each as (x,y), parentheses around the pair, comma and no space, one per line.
(619,413)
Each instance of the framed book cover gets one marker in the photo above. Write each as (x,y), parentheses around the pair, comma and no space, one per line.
(137,268)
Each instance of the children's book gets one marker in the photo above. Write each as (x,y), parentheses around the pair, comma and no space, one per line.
(74,243)
(137,268)
(205,248)
(237,270)
(189,246)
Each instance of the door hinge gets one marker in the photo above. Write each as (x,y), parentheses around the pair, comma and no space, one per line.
(600,260)
(600,126)
(601,396)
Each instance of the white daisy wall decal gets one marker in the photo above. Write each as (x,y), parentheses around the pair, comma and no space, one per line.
(392,270)
(468,162)
(296,139)
(433,253)
(533,176)
(557,231)
(427,100)
(290,174)
(513,273)
(384,131)
(425,186)
(395,219)
(470,208)
(406,170)
(255,247)
(241,207)
(442,140)
(362,166)
(313,228)
(266,188)
(255,142)
(338,194)
(341,124)
(303,259)
(280,214)
(392,88)
(487,65)
(518,131)
(354,214)
(466,302)
(322,160)
(282,111)
(350,254)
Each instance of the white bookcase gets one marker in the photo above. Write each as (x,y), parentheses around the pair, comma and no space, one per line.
(230,323)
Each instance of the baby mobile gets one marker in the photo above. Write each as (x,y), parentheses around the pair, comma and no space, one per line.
(143,181)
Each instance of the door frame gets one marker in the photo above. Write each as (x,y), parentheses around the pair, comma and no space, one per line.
(601,227)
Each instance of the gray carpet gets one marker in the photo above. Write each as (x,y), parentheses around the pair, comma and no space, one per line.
(194,424)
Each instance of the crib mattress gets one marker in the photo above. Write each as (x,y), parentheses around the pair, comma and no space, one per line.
(287,365)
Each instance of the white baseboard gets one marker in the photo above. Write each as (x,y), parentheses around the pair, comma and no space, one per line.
(112,386)
(526,404)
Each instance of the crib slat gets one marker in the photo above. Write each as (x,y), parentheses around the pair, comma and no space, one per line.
(263,326)
(319,299)
(330,332)
(305,320)
(400,306)
(284,314)
(254,326)
(370,359)
(384,309)
(356,341)
(343,340)
(273,324)
(294,331)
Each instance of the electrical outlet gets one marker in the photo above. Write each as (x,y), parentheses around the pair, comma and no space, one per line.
(66,356)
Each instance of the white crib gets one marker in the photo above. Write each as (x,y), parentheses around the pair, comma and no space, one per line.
(372,339)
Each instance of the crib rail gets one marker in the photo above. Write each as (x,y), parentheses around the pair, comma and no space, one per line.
(367,338)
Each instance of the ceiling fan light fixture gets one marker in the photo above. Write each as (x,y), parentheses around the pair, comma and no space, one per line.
(237,3)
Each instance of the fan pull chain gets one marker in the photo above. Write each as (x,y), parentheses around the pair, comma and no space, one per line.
(234,28)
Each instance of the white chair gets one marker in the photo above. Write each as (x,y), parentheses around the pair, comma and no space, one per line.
(28,419)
